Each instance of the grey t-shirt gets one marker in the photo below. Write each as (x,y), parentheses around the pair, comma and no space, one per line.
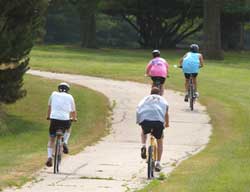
(152,108)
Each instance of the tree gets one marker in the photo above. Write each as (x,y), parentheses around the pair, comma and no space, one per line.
(87,10)
(159,23)
(212,33)
(235,13)
(20,24)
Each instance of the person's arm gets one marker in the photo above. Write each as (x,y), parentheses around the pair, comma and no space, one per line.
(167,118)
(201,60)
(181,60)
(49,111)
(148,68)
(49,107)
(73,113)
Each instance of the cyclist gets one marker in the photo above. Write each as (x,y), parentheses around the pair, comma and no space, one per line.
(190,64)
(61,110)
(157,69)
(152,114)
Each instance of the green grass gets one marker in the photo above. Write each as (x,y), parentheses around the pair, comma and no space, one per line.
(224,87)
(24,130)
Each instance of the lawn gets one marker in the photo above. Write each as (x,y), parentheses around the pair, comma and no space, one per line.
(24,128)
(224,88)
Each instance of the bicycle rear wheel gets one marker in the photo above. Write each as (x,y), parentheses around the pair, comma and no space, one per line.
(57,157)
(191,97)
(150,163)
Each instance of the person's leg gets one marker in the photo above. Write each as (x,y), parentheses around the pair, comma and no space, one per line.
(195,84)
(66,136)
(143,138)
(143,141)
(51,144)
(159,149)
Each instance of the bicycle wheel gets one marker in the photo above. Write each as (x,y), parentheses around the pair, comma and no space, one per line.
(191,96)
(57,157)
(150,163)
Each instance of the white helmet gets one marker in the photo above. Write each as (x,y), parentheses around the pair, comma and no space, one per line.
(63,87)
(156,53)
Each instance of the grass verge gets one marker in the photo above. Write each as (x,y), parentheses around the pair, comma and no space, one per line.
(24,130)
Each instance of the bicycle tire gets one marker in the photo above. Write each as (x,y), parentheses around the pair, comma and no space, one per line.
(191,96)
(56,157)
(150,163)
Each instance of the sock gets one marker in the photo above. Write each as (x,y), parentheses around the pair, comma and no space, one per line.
(66,137)
(143,145)
(50,152)
(157,162)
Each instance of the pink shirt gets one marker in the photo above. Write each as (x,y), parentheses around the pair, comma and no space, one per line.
(157,67)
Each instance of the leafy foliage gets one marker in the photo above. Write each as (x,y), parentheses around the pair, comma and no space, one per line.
(159,23)
(20,24)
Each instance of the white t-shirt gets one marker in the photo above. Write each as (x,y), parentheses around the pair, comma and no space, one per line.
(152,108)
(61,105)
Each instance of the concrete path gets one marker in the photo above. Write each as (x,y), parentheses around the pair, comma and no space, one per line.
(114,163)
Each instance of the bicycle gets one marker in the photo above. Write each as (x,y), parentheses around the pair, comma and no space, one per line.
(157,83)
(191,92)
(151,157)
(58,150)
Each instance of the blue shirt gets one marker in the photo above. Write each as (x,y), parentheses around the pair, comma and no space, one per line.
(191,63)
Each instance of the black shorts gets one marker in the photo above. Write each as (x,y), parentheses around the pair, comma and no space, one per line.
(160,79)
(187,75)
(58,124)
(156,127)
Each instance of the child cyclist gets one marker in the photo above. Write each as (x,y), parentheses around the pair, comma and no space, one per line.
(157,69)
(190,64)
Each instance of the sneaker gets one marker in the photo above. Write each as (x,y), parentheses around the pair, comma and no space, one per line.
(65,148)
(143,152)
(186,98)
(49,162)
(157,167)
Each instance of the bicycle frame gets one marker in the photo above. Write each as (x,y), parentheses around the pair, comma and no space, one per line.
(152,156)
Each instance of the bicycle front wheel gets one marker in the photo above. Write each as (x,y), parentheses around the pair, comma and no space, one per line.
(150,163)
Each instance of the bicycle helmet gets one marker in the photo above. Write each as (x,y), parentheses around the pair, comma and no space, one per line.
(156,53)
(63,87)
(194,48)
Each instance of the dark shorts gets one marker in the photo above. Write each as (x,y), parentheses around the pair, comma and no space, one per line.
(156,127)
(187,75)
(58,124)
(159,79)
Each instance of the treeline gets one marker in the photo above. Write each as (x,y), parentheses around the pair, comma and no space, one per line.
(142,23)
(120,23)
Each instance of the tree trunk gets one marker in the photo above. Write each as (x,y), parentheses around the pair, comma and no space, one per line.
(88,31)
(212,34)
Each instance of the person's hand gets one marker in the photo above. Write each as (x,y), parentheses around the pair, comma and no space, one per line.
(167,125)
(75,119)
(48,118)
(145,75)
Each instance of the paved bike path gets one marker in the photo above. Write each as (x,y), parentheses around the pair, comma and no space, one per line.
(114,164)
